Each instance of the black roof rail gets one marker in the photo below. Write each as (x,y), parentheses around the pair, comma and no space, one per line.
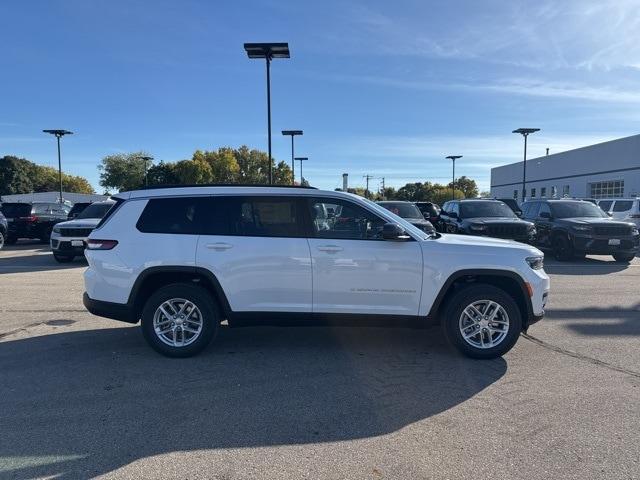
(156,187)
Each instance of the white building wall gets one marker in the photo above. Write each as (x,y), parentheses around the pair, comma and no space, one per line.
(608,161)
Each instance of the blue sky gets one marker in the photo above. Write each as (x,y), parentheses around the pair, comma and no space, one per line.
(381,88)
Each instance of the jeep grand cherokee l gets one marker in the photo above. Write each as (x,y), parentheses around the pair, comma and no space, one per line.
(184,259)
(575,228)
(492,218)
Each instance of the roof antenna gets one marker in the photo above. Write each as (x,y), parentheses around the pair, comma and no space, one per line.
(547,151)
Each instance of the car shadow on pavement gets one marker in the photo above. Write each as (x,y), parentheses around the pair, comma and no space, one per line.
(628,320)
(583,266)
(85,403)
(38,262)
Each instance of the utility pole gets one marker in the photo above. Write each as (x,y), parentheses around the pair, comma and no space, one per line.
(366,191)
(383,188)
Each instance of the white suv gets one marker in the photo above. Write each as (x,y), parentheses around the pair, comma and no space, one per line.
(184,259)
(625,209)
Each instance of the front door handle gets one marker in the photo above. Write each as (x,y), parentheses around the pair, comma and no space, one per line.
(330,248)
(219,246)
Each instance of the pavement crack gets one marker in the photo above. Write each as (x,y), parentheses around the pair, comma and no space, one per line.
(579,356)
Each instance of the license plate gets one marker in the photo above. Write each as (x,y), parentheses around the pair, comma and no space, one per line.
(77,243)
(614,241)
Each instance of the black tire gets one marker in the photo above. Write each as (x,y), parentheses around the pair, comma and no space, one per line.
(201,298)
(467,296)
(2,237)
(562,248)
(63,258)
(10,240)
(623,257)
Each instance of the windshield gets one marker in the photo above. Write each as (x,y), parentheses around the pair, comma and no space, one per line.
(404,210)
(576,209)
(485,209)
(95,210)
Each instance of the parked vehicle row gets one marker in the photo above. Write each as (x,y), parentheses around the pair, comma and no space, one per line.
(32,220)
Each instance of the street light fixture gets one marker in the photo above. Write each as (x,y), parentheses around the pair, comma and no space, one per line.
(268,51)
(301,159)
(146,170)
(453,180)
(525,132)
(58,134)
(293,133)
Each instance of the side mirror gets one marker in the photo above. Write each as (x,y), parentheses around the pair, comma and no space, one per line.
(393,231)
(610,214)
(519,213)
(545,215)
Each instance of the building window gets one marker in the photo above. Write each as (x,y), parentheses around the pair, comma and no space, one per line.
(554,192)
(565,191)
(533,193)
(543,191)
(515,194)
(608,189)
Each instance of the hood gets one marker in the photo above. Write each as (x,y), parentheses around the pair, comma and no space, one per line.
(496,220)
(591,221)
(79,223)
(466,241)
(417,221)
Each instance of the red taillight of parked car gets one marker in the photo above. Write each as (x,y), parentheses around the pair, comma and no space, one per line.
(30,218)
(95,244)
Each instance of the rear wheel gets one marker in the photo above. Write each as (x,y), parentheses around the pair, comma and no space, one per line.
(180,320)
(562,248)
(1,240)
(482,321)
(63,258)
(623,257)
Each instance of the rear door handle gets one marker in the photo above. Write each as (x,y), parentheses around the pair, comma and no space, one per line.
(330,248)
(219,246)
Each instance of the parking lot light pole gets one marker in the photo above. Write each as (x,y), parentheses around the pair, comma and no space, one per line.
(301,159)
(453,158)
(146,169)
(268,51)
(293,133)
(58,134)
(525,132)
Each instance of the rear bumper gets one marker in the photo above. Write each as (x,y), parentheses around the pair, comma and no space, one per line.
(115,311)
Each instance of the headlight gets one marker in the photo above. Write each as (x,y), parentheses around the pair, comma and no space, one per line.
(535,262)
(56,229)
(478,227)
(634,231)
(581,228)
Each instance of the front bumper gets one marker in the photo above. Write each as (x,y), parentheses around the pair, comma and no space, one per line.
(68,245)
(599,245)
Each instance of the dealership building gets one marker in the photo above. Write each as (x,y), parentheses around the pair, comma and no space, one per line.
(605,170)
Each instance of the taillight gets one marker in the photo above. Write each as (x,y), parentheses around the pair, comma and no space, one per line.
(30,218)
(635,215)
(94,244)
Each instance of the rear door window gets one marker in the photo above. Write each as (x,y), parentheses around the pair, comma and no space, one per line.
(622,205)
(177,215)
(251,216)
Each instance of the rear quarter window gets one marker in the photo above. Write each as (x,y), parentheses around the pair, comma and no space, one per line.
(622,205)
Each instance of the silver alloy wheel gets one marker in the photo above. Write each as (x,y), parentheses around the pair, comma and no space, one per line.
(484,324)
(177,322)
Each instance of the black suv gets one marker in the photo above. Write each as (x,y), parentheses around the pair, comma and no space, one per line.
(410,213)
(77,209)
(430,210)
(575,228)
(32,220)
(491,218)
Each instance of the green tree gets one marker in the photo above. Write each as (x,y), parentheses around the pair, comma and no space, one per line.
(193,171)
(223,163)
(485,194)
(162,174)
(282,174)
(466,186)
(123,171)
(15,175)
(442,194)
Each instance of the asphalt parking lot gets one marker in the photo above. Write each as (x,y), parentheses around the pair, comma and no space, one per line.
(85,397)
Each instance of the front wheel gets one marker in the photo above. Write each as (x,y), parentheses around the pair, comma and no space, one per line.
(562,248)
(623,257)
(179,320)
(482,321)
